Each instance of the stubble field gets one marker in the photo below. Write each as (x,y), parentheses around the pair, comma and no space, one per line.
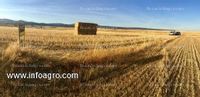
(114,63)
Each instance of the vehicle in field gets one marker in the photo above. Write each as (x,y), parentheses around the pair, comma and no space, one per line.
(175,33)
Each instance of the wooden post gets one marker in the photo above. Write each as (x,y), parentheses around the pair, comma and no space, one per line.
(21,35)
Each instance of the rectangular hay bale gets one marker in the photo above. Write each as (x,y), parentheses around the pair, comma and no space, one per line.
(86,28)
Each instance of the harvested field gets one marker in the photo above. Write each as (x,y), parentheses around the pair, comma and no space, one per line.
(114,63)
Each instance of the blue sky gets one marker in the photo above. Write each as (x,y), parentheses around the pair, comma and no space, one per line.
(178,14)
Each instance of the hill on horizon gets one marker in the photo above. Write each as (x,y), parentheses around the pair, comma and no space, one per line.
(10,22)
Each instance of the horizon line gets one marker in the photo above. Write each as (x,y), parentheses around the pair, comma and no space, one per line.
(103,25)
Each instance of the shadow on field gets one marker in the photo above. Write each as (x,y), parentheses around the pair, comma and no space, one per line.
(124,62)
(125,66)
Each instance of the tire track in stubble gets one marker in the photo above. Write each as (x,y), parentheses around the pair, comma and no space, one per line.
(184,73)
(174,68)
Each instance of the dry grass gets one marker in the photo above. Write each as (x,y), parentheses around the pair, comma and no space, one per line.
(112,63)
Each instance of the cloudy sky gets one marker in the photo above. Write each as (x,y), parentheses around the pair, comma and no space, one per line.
(178,14)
